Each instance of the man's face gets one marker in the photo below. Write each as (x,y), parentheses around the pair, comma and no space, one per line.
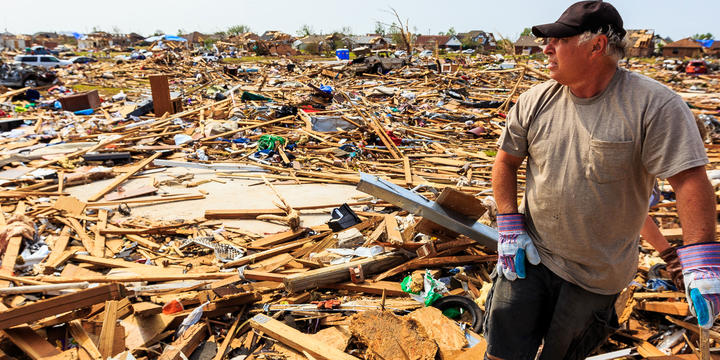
(567,60)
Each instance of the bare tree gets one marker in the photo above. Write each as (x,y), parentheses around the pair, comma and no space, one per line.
(402,31)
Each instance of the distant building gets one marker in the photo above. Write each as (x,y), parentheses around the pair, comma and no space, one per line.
(96,40)
(311,43)
(640,43)
(682,48)
(429,42)
(15,42)
(528,45)
(374,42)
(482,40)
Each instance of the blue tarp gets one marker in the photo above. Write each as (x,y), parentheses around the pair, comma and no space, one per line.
(705,43)
(165,37)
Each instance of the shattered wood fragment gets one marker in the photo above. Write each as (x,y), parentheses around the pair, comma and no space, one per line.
(185,344)
(296,339)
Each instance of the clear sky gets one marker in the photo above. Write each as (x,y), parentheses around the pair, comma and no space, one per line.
(673,18)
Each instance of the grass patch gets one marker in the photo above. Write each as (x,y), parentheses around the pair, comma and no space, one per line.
(108,91)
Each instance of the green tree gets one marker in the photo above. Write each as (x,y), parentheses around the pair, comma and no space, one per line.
(305,30)
(238,29)
(380,28)
(158,32)
(468,43)
(706,36)
(451,32)
(180,32)
(526,31)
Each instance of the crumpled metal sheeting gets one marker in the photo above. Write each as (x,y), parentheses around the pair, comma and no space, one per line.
(223,252)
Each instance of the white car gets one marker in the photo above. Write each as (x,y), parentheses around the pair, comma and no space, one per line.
(468,51)
(46,61)
(425,53)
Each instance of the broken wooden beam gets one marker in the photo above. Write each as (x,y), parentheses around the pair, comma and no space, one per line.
(122,178)
(27,314)
(297,339)
(338,273)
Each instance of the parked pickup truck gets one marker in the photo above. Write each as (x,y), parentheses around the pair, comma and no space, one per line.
(19,76)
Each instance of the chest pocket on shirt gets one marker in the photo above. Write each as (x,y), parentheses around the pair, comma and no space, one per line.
(609,161)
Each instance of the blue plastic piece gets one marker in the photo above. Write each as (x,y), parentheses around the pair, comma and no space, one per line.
(520,263)
(84,112)
(698,302)
(342,54)
(326,88)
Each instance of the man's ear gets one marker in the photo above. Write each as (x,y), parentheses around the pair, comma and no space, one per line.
(599,45)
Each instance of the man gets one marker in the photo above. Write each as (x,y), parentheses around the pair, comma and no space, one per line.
(595,138)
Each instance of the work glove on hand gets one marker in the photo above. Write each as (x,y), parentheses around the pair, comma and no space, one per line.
(672,265)
(701,270)
(514,245)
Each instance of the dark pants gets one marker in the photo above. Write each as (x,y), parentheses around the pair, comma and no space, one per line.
(521,314)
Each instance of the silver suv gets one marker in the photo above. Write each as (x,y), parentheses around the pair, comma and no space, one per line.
(46,61)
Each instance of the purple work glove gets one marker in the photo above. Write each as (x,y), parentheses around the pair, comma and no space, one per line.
(514,245)
(701,270)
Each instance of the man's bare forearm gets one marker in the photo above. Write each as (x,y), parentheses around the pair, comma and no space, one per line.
(695,204)
(504,182)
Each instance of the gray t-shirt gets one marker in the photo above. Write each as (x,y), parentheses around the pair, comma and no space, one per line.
(591,164)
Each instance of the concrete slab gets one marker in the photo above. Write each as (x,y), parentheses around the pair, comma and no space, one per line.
(234,194)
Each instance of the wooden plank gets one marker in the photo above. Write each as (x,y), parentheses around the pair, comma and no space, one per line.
(279,238)
(31,343)
(146,309)
(70,204)
(266,254)
(134,278)
(122,178)
(296,339)
(12,250)
(112,263)
(665,307)
(141,240)
(29,313)
(676,234)
(408,171)
(160,94)
(185,344)
(222,349)
(390,288)
(83,339)
(87,242)
(59,246)
(50,266)
(130,193)
(338,273)
(107,333)
(248,214)
(392,229)
(99,249)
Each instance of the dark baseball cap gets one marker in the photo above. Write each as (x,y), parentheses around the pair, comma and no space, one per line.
(580,17)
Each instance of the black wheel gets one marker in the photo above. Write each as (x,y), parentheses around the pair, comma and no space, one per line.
(30,83)
(468,311)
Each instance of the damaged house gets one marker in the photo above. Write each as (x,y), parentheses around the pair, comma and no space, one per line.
(528,45)
(478,39)
(430,42)
(640,43)
(686,47)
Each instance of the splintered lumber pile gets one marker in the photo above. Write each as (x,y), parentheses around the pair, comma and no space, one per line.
(90,271)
